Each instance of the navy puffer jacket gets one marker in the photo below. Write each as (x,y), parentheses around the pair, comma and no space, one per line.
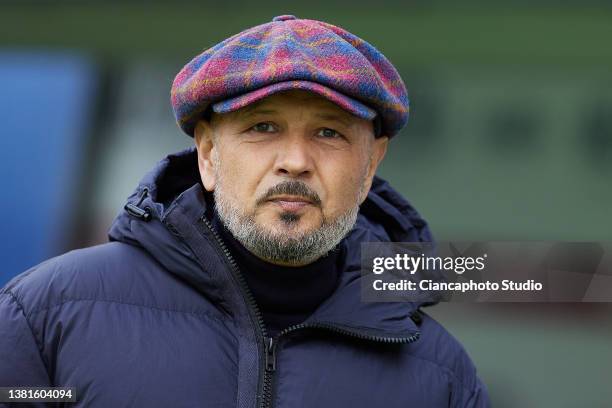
(161,317)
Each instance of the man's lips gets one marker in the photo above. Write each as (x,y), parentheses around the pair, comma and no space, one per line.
(291,203)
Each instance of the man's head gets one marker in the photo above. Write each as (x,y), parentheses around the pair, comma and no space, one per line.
(288,173)
(290,119)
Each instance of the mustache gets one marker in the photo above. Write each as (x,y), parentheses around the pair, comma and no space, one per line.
(292,187)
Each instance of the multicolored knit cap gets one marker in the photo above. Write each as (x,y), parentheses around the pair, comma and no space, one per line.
(291,53)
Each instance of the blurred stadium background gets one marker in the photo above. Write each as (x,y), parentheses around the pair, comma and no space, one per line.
(510,138)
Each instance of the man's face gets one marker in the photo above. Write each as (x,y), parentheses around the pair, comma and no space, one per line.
(289,173)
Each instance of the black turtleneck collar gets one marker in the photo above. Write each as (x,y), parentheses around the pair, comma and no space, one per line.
(285,295)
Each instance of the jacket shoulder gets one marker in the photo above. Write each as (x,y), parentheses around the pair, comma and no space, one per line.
(102,272)
(441,349)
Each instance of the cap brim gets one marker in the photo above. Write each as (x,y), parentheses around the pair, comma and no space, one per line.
(349,104)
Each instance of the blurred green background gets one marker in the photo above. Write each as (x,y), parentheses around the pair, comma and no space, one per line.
(510,138)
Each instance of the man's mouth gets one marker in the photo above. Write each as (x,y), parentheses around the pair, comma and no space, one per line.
(290,202)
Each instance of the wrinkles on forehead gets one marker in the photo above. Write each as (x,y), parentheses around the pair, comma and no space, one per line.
(278,102)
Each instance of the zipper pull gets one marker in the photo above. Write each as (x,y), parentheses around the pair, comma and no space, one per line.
(138,212)
(134,209)
(270,345)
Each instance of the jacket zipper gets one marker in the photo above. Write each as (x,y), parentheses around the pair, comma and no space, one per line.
(272,342)
(267,344)
(270,367)
(351,333)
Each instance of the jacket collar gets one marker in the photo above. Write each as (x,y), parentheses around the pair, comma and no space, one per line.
(176,235)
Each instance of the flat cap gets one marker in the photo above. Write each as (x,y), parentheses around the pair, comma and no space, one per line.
(291,53)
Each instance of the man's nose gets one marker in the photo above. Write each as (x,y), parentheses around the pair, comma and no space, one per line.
(294,158)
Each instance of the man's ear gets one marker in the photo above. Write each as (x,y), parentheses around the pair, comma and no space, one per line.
(203,136)
(379,148)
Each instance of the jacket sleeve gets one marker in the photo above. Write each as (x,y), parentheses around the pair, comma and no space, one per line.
(22,363)
(479,398)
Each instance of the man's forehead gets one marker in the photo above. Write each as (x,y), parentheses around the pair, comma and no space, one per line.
(296,98)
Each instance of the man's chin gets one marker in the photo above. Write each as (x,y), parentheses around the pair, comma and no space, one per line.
(300,223)
(287,227)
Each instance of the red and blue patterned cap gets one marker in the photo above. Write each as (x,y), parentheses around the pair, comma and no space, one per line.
(291,53)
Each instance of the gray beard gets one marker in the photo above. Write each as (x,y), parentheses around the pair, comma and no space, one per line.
(284,247)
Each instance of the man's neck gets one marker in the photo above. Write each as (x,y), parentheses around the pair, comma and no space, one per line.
(286,295)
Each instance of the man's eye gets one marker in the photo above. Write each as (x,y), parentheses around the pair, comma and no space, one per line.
(328,133)
(264,127)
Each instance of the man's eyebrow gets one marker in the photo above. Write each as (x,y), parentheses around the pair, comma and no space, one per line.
(252,112)
(336,117)
(253,109)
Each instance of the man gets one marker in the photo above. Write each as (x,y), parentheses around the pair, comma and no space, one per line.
(232,277)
